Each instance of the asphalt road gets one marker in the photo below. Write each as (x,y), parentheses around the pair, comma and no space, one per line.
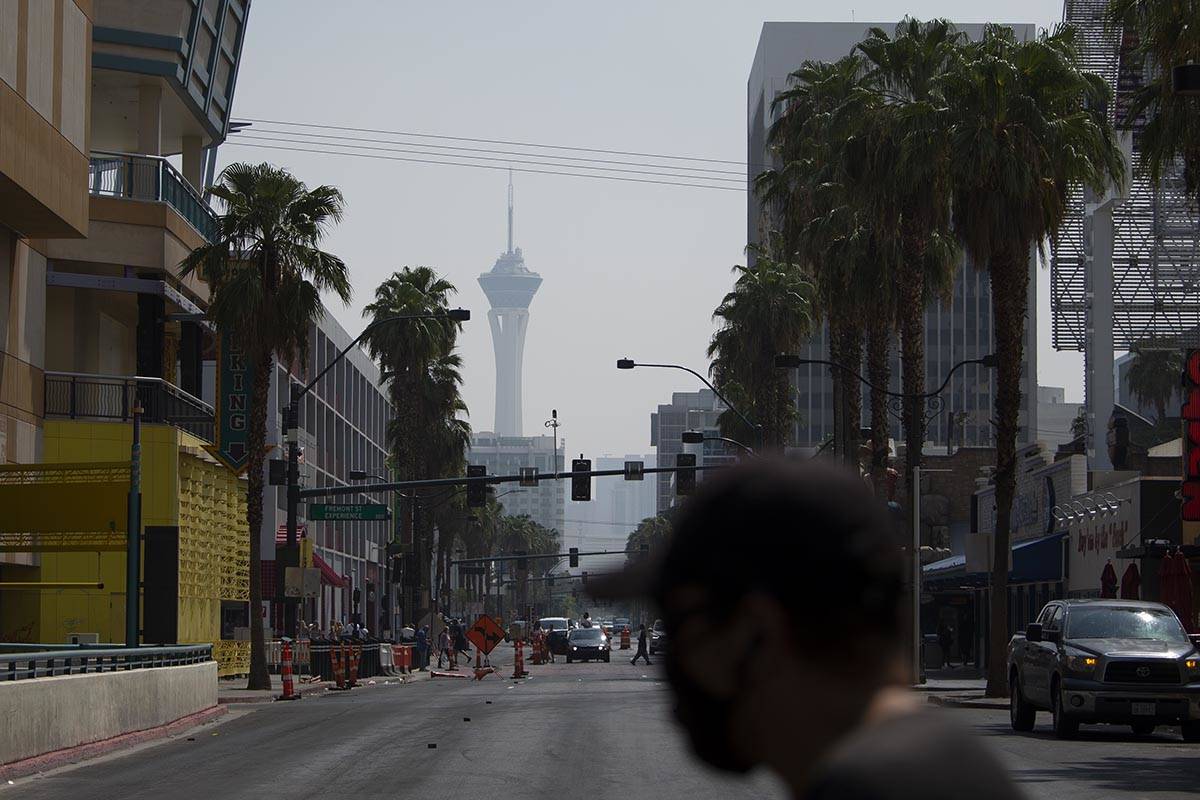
(1104,761)
(579,730)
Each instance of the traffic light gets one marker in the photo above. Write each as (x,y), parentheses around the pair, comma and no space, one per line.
(522,563)
(476,490)
(550,581)
(583,577)
(685,475)
(574,556)
(581,485)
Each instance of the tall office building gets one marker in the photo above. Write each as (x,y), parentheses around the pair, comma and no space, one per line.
(343,427)
(505,455)
(510,288)
(687,411)
(959,330)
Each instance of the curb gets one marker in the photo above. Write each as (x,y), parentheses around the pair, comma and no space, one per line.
(986,703)
(57,758)
(322,689)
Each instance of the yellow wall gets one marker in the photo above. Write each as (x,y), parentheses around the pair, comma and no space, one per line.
(181,486)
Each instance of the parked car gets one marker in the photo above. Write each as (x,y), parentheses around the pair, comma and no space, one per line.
(1123,662)
(556,629)
(658,638)
(585,644)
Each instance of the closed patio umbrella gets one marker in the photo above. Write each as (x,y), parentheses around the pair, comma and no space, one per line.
(1131,583)
(1108,581)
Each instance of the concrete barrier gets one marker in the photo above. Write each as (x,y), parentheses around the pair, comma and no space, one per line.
(42,715)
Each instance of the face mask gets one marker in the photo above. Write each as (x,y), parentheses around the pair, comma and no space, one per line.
(707,718)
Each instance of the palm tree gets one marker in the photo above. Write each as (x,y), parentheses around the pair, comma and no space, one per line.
(651,532)
(766,313)
(824,207)
(427,437)
(1166,35)
(266,272)
(906,165)
(1155,373)
(1025,122)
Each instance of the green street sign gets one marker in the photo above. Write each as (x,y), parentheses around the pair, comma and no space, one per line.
(232,409)
(347,512)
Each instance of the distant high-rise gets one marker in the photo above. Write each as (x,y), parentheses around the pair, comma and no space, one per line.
(510,288)
(957,327)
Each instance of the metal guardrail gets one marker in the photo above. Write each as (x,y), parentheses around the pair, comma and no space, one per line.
(90,659)
(139,177)
(78,395)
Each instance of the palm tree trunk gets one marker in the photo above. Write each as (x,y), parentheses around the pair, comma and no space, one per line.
(852,352)
(1009,293)
(838,378)
(911,316)
(878,374)
(259,678)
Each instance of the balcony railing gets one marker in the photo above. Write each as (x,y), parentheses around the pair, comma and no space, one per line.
(112,397)
(150,178)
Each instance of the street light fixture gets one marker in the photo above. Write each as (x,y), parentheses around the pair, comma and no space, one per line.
(788,361)
(629,363)
(291,419)
(698,437)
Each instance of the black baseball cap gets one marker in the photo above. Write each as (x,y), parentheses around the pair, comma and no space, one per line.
(811,533)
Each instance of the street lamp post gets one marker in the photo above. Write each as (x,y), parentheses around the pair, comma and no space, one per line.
(553,423)
(291,424)
(629,363)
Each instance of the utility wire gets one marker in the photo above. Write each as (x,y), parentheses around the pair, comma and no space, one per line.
(485,166)
(488,158)
(487,141)
(338,139)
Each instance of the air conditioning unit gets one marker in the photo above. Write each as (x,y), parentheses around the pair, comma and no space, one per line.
(84,638)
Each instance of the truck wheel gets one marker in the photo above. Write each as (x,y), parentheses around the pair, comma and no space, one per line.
(1190,731)
(1020,713)
(1143,728)
(1064,726)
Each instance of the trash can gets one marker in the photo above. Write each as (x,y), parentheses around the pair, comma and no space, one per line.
(933,651)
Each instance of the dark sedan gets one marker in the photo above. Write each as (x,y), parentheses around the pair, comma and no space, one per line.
(586,644)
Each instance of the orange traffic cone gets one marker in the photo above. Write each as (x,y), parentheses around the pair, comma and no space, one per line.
(289,691)
(339,674)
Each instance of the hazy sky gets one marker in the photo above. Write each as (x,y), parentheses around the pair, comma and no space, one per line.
(629,269)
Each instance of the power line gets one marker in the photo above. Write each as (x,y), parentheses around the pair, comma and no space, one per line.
(488,158)
(488,166)
(488,141)
(339,138)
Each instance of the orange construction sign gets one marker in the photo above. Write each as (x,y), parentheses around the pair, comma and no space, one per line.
(485,634)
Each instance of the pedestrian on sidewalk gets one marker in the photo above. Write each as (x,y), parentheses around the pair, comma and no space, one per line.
(422,640)
(822,700)
(945,635)
(443,645)
(641,651)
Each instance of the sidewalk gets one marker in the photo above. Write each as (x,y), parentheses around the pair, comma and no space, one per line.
(960,687)
(233,690)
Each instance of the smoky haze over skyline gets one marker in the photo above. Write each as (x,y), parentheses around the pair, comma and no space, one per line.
(629,269)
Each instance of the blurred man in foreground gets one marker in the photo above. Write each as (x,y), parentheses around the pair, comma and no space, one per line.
(796,566)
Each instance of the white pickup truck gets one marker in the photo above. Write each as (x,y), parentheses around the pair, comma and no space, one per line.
(1123,662)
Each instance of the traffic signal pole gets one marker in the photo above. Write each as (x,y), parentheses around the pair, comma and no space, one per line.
(373,488)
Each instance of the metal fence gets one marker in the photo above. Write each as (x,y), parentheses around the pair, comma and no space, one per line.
(150,178)
(90,659)
(78,395)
